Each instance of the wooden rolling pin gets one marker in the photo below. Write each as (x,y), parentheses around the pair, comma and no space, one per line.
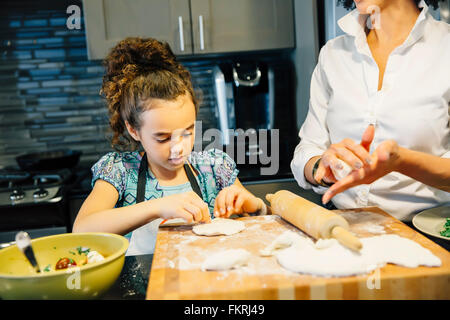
(315,220)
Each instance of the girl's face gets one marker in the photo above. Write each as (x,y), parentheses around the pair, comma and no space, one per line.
(167,132)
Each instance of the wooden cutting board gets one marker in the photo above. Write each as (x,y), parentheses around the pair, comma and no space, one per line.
(179,253)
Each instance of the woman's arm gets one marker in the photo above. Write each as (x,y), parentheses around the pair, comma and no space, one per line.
(314,135)
(428,169)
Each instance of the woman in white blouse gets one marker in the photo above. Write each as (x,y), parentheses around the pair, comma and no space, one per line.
(380,90)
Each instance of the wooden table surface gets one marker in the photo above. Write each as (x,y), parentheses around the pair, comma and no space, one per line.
(179,253)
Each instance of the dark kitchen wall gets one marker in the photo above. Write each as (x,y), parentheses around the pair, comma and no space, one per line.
(49,90)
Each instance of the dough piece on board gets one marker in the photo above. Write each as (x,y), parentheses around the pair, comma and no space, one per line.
(284,240)
(218,227)
(225,260)
(334,260)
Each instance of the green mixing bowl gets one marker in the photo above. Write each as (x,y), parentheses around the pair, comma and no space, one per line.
(18,280)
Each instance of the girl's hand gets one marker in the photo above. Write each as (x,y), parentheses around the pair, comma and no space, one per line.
(188,206)
(356,155)
(385,159)
(235,200)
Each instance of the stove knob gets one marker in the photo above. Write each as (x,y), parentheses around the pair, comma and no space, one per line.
(39,194)
(17,195)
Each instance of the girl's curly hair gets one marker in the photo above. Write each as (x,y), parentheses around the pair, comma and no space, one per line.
(350,4)
(139,69)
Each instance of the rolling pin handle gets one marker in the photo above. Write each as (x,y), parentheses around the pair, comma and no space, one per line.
(346,238)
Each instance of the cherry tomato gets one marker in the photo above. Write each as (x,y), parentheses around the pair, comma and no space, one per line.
(65,263)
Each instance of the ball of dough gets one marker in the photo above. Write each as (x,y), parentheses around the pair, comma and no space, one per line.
(218,227)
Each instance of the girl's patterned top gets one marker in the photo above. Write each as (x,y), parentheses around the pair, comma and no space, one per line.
(216,170)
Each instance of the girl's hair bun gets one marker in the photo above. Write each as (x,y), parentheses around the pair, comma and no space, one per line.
(139,56)
(138,69)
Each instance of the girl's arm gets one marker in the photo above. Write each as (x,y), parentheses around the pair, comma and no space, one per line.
(236,199)
(97,214)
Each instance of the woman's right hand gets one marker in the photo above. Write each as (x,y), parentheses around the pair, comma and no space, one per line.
(355,155)
(188,206)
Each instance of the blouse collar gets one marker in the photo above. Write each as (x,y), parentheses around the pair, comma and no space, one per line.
(354,24)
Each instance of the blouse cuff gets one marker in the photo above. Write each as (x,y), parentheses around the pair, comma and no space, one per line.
(301,157)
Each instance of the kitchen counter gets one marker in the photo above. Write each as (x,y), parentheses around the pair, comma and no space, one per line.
(133,280)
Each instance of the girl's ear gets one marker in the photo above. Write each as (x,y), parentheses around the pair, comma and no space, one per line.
(133,133)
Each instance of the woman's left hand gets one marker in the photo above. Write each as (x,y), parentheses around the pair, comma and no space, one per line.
(235,200)
(384,160)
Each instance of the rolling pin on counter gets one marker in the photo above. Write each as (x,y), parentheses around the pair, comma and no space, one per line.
(316,221)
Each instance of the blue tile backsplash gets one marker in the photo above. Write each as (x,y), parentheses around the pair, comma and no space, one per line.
(49,90)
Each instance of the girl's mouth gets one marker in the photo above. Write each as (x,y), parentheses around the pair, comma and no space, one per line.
(176,161)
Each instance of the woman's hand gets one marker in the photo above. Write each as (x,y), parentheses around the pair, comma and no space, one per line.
(188,206)
(356,155)
(384,160)
(235,199)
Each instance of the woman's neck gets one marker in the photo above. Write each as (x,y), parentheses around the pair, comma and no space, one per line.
(395,22)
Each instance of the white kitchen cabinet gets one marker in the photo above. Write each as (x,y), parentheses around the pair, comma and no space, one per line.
(217,26)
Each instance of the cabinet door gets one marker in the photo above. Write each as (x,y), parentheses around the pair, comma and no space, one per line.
(242,25)
(109,21)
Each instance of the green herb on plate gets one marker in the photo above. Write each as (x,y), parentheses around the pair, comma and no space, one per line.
(446,231)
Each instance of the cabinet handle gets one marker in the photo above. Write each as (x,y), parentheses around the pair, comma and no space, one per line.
(202,38)
(180,27)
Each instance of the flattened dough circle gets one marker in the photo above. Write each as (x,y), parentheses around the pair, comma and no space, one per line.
(218,227)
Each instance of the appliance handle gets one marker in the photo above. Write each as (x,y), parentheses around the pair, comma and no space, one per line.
(221,96)
(246,83)
(202,36)
(181,30)
(271,111)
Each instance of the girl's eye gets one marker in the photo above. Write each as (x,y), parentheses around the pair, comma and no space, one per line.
(163,140)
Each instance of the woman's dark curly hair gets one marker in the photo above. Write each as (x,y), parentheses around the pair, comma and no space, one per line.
(350,4)
(139,69)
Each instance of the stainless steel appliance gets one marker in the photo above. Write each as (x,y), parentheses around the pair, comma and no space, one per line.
(33,201)
(256,114)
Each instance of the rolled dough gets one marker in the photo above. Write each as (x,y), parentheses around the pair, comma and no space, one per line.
(225,260)
(335,260)
(219,226)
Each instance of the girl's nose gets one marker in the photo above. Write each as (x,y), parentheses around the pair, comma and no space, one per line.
(176,145)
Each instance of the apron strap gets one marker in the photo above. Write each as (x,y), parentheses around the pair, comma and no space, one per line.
(194,184)
(142,177)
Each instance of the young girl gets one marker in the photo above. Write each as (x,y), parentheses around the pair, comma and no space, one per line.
(153,107)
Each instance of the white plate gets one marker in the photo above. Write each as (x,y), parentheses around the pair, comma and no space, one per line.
(432,221)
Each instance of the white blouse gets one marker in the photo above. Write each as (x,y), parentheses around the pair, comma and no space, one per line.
(412,108)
